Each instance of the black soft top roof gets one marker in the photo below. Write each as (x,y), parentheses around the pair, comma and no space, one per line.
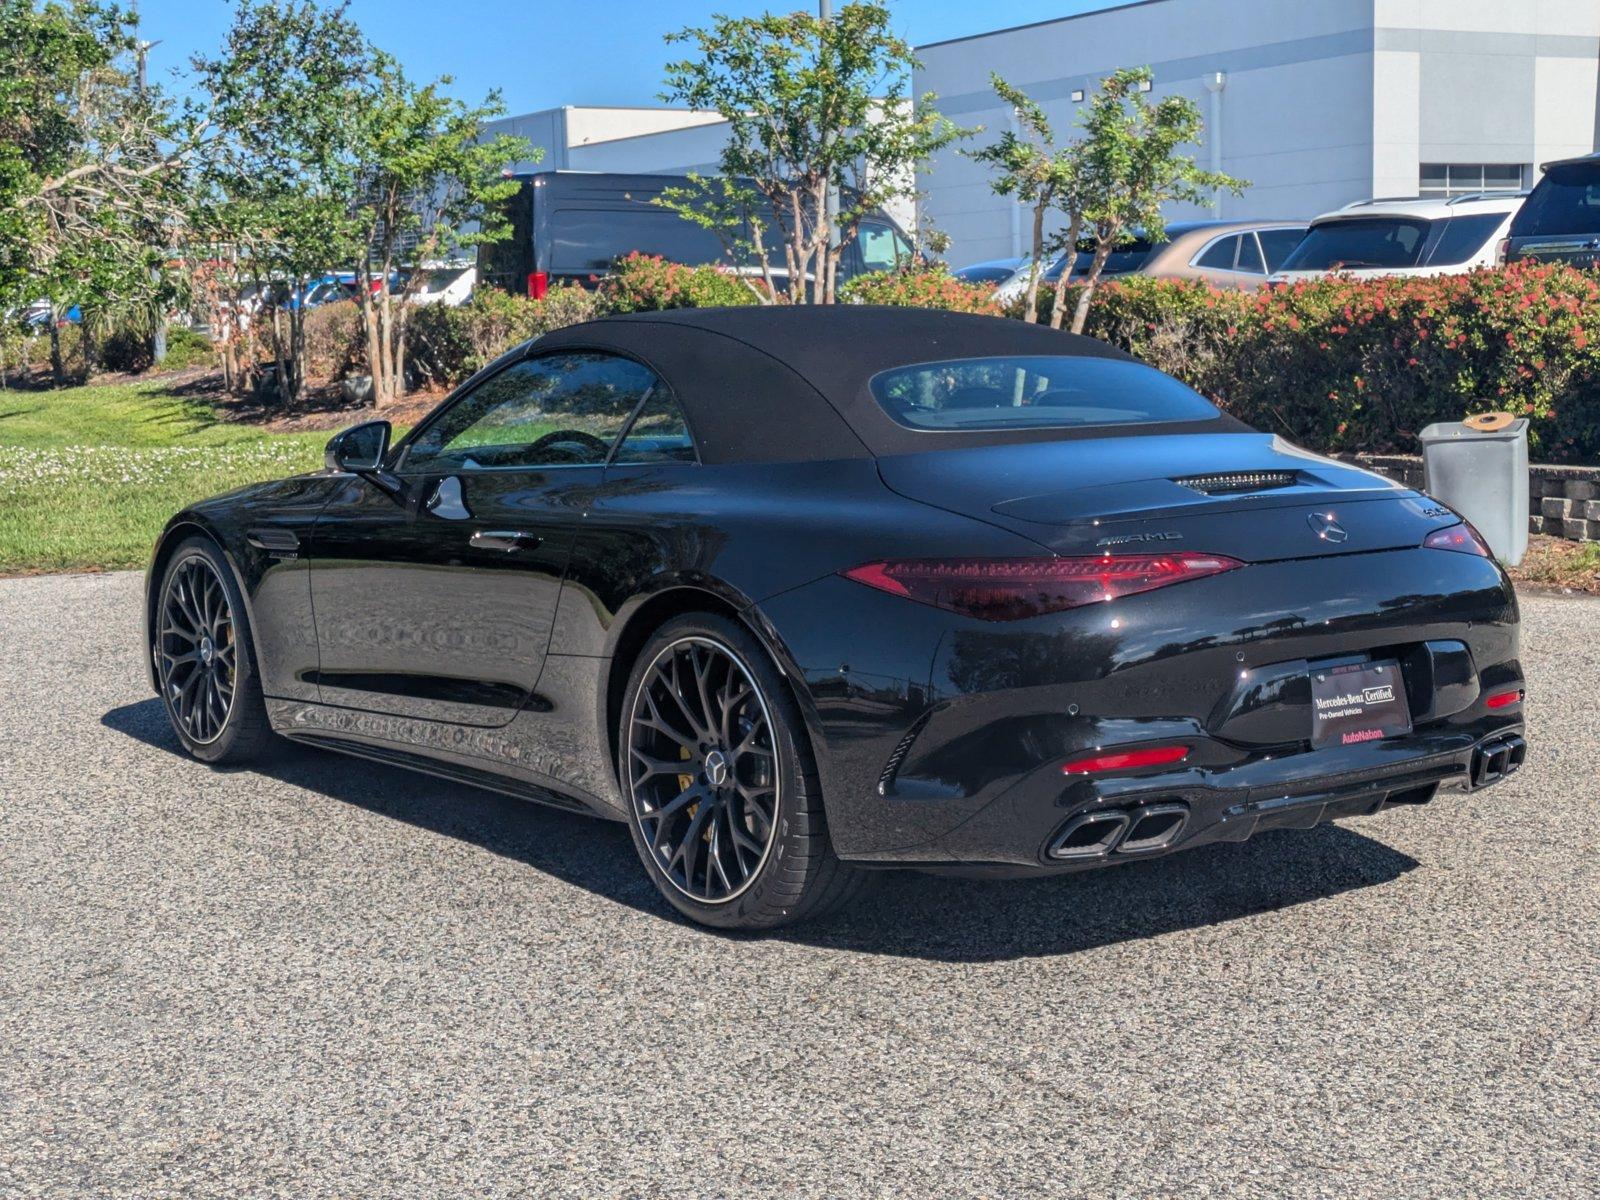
(784,383)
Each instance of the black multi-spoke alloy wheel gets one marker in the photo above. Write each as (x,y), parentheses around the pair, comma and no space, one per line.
(721,787)
(200,643)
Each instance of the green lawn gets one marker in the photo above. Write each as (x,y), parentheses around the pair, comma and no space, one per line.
(89,475)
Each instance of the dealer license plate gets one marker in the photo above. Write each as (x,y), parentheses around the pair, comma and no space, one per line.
(1361,702)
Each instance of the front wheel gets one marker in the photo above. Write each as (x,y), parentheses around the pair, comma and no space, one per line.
(722,792)
(200,644)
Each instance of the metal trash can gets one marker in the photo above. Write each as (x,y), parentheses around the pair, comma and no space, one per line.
(1479,467)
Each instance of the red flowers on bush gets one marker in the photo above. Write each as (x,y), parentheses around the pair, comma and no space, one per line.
(1347,364)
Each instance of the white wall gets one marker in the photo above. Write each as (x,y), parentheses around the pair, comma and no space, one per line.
(670,152)
(561,131)
(1485,81)
(1326,101)
(590,125)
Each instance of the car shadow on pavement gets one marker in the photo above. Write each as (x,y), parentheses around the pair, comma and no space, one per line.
(903,913)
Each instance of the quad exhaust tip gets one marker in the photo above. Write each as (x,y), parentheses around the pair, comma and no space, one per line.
(1497,758)
(1098,834)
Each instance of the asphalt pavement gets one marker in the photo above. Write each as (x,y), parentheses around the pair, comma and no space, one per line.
(328,978)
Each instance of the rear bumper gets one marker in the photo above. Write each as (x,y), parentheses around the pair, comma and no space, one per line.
(940,740)
(1044,828)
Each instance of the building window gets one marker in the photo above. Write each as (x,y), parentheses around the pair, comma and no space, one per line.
(1443,180)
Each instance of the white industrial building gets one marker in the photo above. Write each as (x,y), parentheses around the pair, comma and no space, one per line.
(1316,102)
(665,141)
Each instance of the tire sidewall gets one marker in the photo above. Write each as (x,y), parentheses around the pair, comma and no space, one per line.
(761,903)
(222,745)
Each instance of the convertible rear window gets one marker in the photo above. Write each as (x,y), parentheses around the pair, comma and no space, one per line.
(1035,392)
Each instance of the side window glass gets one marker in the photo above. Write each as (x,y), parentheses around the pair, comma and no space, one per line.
(1278,243)
(881,248)
(1250,255)
(557,410)
(659,435)
(1220,255)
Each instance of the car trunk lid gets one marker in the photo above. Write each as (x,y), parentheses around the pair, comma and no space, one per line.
(1249,496)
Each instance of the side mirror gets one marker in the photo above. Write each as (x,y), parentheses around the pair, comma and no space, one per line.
(359,450)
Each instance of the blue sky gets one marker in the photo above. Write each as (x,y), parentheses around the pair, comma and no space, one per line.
(544,53)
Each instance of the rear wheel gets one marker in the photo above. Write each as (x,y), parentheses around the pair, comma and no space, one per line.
(201,648)
(722,791)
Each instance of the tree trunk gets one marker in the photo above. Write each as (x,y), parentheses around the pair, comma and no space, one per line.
(58,367)
(297,353)
(393,384)
(1058,308)
(285,395)
(1102,251)
(1035,266)
(400,350)
(369,322)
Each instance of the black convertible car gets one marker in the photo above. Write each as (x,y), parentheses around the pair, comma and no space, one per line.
(796,592)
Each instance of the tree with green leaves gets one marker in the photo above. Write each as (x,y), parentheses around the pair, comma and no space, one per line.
(91,168)
(731,210)
(1032,168)
(811,104)
(1132,165)
(280,175)
(425,175)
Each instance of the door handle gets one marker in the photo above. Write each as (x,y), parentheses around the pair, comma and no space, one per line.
(503,539)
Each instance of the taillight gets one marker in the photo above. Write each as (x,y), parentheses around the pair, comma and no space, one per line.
(1502,252)
(538,285)
(1504,699)
(1462,538)
(1009,589)
(1126,760)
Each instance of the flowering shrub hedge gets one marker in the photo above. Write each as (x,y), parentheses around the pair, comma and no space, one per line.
(646,283)
(336,340)
(1336,364)
(1363,365)
(446,344)
(922,287)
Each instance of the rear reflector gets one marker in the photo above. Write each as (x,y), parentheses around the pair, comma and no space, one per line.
(1126,760)
(1009,589)
(1504,699)
(1462,538)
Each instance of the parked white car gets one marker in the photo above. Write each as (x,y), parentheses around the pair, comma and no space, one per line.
(1376,238)
(447,283)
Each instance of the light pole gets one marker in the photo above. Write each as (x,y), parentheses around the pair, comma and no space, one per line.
(141,49)
(825,13)
(1215,82)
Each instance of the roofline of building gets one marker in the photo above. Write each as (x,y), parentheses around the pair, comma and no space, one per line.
(1099,12)
(653,133)
(534,112)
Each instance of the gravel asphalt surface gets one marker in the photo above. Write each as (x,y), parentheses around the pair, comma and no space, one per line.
(327,978)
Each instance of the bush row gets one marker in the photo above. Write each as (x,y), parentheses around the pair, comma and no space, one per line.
(1336,364)
(1363,365)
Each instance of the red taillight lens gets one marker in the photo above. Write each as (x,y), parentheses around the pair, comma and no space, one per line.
(1008,589)
(538,285)
(1462,538)
(1504,699)
(1126,760)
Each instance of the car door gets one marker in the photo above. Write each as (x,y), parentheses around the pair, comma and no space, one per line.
(434,596)
(878,247)
(1278,244)
(1219,261)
